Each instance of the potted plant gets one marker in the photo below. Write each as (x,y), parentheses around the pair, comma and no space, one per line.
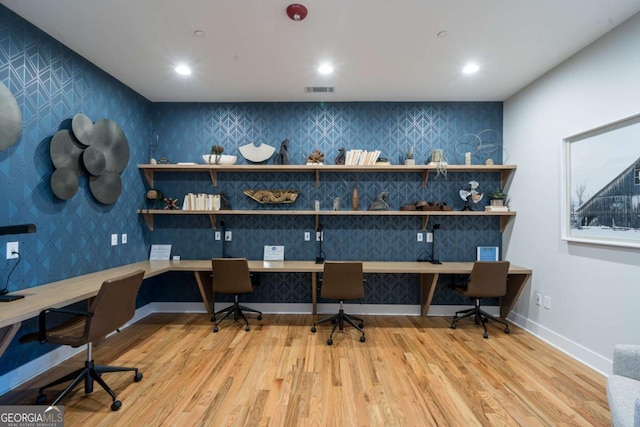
(409,159)
(216,151)
(497,198)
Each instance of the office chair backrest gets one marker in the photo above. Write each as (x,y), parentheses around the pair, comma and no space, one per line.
(114,305)
(231,275)
(488,279)
(342,280)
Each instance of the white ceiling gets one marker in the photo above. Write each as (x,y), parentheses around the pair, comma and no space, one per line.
(382,50)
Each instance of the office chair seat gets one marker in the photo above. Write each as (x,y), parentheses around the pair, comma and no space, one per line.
(487,279)
(342,281)
(232,276)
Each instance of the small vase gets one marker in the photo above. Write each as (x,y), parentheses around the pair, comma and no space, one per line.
(354,197)
(410,162)
(497,202)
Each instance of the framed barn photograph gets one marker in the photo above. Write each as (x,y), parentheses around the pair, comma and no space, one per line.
(601,191)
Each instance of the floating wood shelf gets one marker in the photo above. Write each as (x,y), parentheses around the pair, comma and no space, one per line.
(149,170)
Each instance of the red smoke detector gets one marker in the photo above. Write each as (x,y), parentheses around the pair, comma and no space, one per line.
(296,12)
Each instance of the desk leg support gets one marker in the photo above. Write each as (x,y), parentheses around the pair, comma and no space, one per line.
(314,293)
(206,290)
(6,335)
(428,282)
(515,285)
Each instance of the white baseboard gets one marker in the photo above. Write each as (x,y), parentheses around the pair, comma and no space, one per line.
(565,345)
(305,308)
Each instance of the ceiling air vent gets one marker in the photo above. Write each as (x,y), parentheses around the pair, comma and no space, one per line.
(319,89)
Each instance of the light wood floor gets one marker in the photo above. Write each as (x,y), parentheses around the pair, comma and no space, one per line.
(411,371)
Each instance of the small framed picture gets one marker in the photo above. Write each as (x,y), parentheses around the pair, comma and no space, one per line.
(488,253)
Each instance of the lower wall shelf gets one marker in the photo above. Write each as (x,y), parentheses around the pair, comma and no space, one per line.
(148,214)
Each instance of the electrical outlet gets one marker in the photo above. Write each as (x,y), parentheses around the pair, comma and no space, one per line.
(227,236)
(538,299)
(124,238)
(319,236)
(218,235)
(547,302)
(11,248)
(429,237)
(307,236)
(114,240)
(419,237)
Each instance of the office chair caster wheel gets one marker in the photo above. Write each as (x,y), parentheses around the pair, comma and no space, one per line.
(485,335)
(116,405)
(42,398)
(247,328)
(313,329)
(137,378)
(260,317)
(215,329)
(329,341)
(362,339)
(507,330)
(452,325)
(361,325)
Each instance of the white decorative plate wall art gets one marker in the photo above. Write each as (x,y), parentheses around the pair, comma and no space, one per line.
(10,118)
(257,154)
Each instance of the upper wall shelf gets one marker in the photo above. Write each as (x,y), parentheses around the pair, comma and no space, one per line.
(149,170)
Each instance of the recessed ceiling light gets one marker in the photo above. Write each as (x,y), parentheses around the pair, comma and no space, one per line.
(442,34)
(325,69)
(183,70)
(199,33)
(470,68)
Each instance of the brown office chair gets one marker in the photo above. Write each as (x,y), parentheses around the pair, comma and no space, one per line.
(487,279)
(231,276)
(114,306)
(342,281)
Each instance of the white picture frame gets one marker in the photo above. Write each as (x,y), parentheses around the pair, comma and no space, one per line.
(488,253)
(601,185)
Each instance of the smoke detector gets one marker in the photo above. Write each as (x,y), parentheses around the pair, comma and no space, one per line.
(296,12)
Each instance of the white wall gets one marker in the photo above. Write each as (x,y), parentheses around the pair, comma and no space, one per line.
(594,289)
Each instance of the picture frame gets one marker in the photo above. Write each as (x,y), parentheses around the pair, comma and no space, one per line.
(601,185)
(488,253)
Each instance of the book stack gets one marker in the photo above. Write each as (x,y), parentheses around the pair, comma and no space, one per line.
(496,208)
(361,157)
(201,202)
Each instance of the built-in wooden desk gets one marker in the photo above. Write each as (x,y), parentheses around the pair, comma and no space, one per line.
(69,291)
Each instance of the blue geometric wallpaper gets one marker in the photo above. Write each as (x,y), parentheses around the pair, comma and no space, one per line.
(186,131)
(51,84)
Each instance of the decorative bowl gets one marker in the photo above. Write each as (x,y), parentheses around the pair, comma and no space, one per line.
(224,159)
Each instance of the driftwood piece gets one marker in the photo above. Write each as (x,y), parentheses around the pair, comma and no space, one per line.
(273,196)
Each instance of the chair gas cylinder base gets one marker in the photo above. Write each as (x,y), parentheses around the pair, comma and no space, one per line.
(341,281)
(238,311)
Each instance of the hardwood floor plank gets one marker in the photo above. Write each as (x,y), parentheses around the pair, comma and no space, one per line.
(411,371)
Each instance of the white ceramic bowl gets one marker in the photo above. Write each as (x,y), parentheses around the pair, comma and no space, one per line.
(225,159)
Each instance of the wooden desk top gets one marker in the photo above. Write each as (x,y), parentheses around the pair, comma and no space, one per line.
(74,289)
